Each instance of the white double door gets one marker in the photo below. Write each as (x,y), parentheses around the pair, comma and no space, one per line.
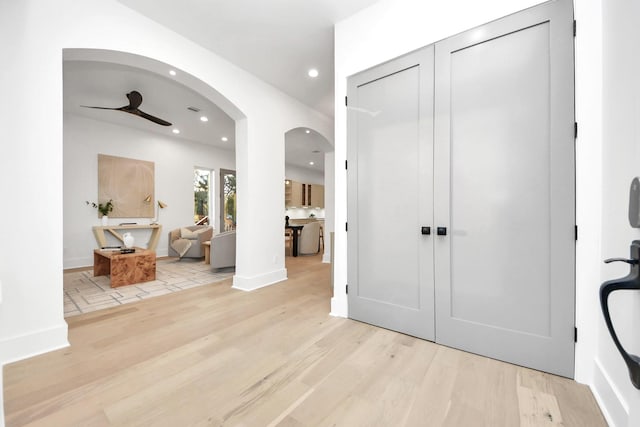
(461,191)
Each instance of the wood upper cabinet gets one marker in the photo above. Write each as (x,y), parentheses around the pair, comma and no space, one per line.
(317,196)
(298,195)
(292,194)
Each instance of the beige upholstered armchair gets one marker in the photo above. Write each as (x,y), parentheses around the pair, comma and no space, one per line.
(309,241)
(223,250)
(187,241)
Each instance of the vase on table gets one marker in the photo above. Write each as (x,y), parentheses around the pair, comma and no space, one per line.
(128,240)
(105,220)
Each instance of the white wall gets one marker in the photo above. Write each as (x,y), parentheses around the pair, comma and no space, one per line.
(621,162)
(305,175)
(588,83)
(174,160)
(329,204)
(391,28)
(34,34)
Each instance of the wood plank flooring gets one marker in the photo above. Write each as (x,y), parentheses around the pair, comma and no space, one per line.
(215,356)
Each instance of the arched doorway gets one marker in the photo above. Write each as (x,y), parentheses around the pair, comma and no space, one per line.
(172,96)
(309,181)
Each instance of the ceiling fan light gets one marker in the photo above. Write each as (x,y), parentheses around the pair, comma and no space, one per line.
(204,119)
(176,131)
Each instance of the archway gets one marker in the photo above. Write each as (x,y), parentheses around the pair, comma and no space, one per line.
(309,181)
(162,153)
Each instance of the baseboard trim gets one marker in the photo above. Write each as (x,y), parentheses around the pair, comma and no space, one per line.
(612,404)
(248,284)
(75,263)
(34,343)
(339,306)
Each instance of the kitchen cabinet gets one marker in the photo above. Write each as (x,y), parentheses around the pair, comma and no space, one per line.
(317,196)
(301,195)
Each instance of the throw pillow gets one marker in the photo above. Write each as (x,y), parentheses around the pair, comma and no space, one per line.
(185,233)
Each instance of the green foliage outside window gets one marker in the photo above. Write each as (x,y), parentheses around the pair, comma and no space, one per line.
(200,194)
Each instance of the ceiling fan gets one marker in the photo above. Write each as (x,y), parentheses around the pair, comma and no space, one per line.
(135,99)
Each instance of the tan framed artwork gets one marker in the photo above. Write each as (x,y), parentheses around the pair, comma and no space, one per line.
(129,183)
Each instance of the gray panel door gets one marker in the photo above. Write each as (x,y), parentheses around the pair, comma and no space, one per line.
(504,189)
(390,187)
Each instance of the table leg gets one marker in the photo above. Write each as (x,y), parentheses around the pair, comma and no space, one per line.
(101,265)
(207,252)
(294,250)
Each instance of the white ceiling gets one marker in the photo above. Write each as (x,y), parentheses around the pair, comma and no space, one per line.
(105,84)
(276,40)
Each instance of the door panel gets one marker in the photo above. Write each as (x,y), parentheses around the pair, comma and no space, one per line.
(391,191)
(504,187)
(500,201)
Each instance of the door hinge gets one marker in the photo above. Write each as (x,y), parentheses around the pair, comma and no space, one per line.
(576,231)
(346,164)
(346,289)
(575,130)
(575,334)
(346,102)
(575,24)
(346,226)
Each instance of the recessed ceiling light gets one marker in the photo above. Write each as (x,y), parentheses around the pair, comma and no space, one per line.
(172,72)
(204,119)
(313,73)
(307,131)
(176,131)
(311,163)
(224,138)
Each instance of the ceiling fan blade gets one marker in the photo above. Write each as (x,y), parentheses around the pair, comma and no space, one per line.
(135,99)
(150,117)
(102,108)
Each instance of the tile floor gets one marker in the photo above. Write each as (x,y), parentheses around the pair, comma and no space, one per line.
(84,293)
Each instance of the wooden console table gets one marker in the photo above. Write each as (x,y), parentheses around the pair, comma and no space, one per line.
(98,232)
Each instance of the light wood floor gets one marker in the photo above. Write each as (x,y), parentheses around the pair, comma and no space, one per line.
(273,357)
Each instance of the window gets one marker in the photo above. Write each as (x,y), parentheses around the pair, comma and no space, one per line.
(202,209)
(228,200)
